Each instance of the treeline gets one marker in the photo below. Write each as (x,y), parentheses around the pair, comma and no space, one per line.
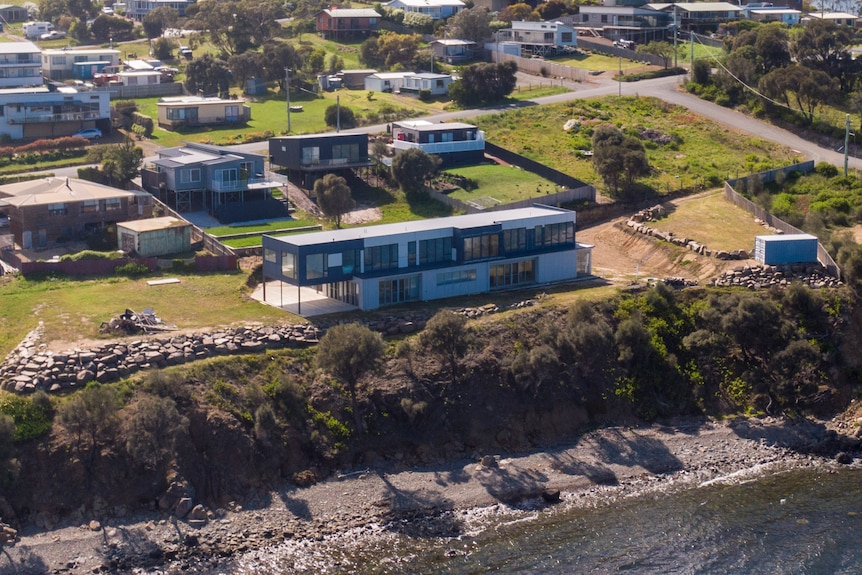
(516,381)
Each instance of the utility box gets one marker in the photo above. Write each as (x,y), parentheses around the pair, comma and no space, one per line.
(785,249)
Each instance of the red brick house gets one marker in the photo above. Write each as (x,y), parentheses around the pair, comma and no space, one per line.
(347,22)
(44,211)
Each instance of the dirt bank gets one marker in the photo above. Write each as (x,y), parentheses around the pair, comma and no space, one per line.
(601,463)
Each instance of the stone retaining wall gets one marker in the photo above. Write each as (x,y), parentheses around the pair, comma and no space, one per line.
(814,276)
(31,366)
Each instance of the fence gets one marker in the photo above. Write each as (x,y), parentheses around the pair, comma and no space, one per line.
(543,67)
(83,267)
(577,190)
(618,52)
(765,177)
(208,242)
(145,91)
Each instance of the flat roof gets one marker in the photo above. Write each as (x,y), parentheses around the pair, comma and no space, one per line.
(195,100)
(73,51)
(55,190)
(392,75)
(786,237)
(153,224)
(696,6)
(776,11)
(426,126)
(18,47)
(460,222)
(453,42)
(833,15)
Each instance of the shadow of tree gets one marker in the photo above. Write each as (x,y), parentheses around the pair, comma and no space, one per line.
(511,486)
(802,436)
(420,513)
(453,476)
(297,506)
(27,562)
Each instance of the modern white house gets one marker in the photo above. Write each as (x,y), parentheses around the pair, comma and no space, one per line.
(539,38)
(374,266)
(783,14)
(453,142)
(437,9)
(20,64)
(77,63)
(436,84)
(44,112)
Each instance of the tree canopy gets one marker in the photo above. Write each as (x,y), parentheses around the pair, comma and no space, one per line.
(618,159)
(208,75)
(483,84)
(411,168)
(333,197)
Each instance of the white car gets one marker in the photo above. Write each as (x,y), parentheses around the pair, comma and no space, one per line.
(53,35)
(108,11)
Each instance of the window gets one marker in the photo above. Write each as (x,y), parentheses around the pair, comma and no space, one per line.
(486,246)
(246,170)
(315,266)
(57,209)
(400,290)
(288,265)
(435,251)
(556,234)
(346,152)
(439,83)
(381,258)
(58,60)
(566,37)
(515,240)
(462,276)
(411,253)
(269,255)
(513,274)
(349,261)
(604,18)
(231,113)
(113,204)
(190,176)
(227,177)
(310,155)
(89,206)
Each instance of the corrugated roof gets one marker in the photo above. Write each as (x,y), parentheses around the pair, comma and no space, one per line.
(425,126)
(352,13)
(56,191)
(153,224)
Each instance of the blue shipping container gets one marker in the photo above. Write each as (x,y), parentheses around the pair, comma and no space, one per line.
(785,249)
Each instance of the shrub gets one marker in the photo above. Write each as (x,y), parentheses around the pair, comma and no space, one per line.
(33,416)
(131,270)
(425,95)
(87,255)
(139,119)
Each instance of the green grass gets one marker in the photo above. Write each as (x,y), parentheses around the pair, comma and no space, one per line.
(540,89)
(597,62)
(21,168)
(703,152)
(712,218)
(73,309)
(262,227)
(504,183)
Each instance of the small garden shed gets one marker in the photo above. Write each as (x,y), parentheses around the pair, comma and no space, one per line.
(785,249)
(154,237)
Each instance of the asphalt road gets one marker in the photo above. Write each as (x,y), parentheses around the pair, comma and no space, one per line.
(667,89)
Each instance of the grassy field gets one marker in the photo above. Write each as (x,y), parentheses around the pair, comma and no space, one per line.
(700,152)
(73,309)
(597,62)
(505,184)
(726,226)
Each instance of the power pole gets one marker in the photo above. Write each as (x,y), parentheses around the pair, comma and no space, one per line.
(287,89)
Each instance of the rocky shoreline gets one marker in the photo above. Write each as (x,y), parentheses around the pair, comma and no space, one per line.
(600,464)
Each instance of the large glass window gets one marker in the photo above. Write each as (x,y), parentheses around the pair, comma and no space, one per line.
(434,251)
(89,206)
(310,155)
(456,277)
(269,255)
(556,234)
(486,246)
(411,253)
(288,265)
(381,258)
(399,290)
(346,152)
(518,273)
(515,240)
(315,266)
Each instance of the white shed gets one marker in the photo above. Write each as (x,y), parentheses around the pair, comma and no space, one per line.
(387,81)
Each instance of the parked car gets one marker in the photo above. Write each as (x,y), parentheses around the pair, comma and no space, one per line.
(185,52)
(53,35)
(108,11)
(89,133)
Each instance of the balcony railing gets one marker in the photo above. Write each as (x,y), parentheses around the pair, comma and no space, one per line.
(234,186)
(330,162)
(64,117)
(441,147)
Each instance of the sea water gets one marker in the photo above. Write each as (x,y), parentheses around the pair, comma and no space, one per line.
(803,521)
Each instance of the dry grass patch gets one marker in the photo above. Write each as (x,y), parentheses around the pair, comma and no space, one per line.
(712,220)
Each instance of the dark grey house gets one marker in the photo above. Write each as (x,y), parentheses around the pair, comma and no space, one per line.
(310,157)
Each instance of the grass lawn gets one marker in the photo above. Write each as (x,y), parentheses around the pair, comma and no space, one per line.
(21,168)
(73,309)
(504,183)
(596,62)
(262,227)
(700,151)
(538,90)
(712,219)
(269,113)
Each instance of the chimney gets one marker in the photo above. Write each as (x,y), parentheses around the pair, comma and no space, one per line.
(67,183)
